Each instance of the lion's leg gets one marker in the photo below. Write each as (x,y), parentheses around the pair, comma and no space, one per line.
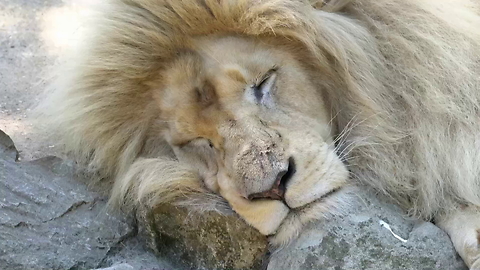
(152,181)
(463,227)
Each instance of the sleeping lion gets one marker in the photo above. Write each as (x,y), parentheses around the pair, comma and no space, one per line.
(278,106)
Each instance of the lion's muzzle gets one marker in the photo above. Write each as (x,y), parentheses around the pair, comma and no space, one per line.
(277,191)
(261,167)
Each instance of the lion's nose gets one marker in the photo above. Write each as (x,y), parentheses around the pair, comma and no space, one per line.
(277,192)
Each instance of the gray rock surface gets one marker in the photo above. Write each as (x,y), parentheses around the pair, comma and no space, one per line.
(121,266)
(357,240)
(49,220)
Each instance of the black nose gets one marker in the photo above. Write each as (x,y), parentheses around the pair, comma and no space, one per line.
(277,192)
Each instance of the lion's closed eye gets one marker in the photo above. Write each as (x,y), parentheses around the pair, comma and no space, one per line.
(198,142)
(262,90)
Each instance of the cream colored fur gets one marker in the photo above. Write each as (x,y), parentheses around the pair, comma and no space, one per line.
(462,226)
(400,80)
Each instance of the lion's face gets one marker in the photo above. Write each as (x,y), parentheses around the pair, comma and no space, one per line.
(250,121)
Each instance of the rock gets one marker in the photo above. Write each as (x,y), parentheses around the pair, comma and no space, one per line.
(134,253)
(49,220)
(357,240)
(121,266)
(202,240)
(7,147)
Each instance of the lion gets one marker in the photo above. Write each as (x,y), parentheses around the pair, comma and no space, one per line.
(280,106)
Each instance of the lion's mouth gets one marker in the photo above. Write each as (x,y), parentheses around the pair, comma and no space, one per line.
(279,187)
(321,199)
(318,207)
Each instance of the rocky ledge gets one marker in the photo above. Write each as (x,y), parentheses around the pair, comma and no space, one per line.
(50,219)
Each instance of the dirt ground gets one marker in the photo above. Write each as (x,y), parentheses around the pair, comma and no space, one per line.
(33,34)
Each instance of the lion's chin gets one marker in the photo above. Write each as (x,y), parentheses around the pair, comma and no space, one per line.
(331,204)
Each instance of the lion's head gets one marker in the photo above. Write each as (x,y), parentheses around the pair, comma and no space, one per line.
(228,97)
(245,115)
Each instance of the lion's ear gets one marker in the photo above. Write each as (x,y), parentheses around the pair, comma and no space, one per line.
(329,5)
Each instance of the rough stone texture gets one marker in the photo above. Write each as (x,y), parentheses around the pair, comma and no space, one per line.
(7,147)
(357,241)
(207,240)
(132,254)
(48,220)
